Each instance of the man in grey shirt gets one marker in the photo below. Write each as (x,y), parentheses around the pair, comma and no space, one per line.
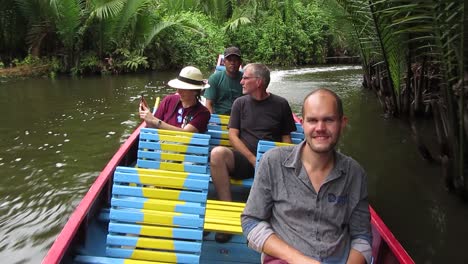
(308,203)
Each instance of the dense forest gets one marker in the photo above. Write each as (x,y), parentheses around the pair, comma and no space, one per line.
(113,36)
(413,52)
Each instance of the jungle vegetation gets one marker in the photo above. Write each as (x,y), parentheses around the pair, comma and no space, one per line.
(414,56)
(413,52)
(112,36)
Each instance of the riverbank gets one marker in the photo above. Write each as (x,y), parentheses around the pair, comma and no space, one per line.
(24,71)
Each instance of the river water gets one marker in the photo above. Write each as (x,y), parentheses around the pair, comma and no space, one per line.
(56,135)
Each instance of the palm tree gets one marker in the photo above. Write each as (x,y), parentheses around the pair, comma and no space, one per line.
(414,38)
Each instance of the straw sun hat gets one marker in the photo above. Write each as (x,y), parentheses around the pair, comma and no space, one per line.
(190,78)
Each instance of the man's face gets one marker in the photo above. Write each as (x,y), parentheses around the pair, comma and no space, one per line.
(249,82)
(232,64)
(321,123)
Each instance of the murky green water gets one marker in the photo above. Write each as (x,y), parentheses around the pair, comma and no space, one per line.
(56,135)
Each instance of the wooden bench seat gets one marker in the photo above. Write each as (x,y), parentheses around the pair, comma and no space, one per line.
(157,212)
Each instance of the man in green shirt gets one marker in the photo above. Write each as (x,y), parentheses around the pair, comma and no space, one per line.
(225,85)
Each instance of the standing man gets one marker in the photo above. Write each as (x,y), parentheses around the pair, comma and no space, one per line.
(225,85)
(256,115)
(308,203)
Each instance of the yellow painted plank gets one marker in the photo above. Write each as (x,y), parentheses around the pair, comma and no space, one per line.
(226,203)
(134,261)
(279,144)
(222,221)
(151,255)
(161,205)
(171,166)
(166,173)
(222,228)
(158,231)
(222,214)
(174,147)
(163,181)
(155,243)
(172,156)
(161,193)
(162,218)
(175,133)
(235,210)
(175,138)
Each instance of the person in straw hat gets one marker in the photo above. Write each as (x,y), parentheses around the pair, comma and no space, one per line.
(181,111)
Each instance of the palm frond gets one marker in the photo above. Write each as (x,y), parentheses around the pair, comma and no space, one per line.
(105,9)
(67,19)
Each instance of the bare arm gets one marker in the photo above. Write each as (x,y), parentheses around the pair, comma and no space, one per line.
(152,121)
(286,138)
(209,105)
(238,145)
(276,247)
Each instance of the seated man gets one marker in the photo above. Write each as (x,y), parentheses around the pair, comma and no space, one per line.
(308,203)
(255,116)
(225,85)
(181,111)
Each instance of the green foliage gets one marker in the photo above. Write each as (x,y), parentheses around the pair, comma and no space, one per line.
(288,34)
(28,61)
(184,45)
(132,61)
(89,63)
(171,33)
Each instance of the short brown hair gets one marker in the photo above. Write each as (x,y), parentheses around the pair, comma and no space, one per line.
(339,102)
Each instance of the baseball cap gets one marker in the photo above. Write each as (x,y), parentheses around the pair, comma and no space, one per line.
(232,51)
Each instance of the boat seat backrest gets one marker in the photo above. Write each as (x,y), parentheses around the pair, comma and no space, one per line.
(158,209)
(218,122)
(173,150)
(265,145)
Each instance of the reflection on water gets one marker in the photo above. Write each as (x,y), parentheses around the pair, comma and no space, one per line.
(58,134)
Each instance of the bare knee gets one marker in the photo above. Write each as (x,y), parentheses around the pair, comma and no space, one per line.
(220,156)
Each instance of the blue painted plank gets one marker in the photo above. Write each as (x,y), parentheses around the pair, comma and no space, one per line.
(180,233)
(97,260)
(156,145)
(187,183)
(296,140)
(126,253)
(299,128)
(157,165)
(138,192)
(157,155)
(139,203)
(155,243)
(147,130)
(191,176)
(135,216)
(297,135)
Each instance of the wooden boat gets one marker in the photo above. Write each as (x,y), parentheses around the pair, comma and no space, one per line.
(87,228)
